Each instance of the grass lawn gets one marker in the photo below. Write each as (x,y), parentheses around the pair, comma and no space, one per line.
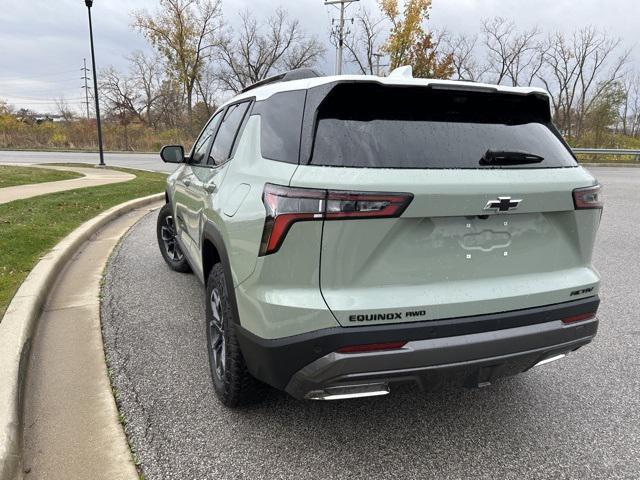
(30,227)
(11,176)
(591,158)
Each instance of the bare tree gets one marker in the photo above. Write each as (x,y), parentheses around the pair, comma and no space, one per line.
(185,33)
(632,106)
(170,105)
(364,44)
(64,110)
(558,76)
(146,76)
(119,94)
(257,51)
(596,75)
(577,72)
(465,63)
(512,56)
(208,87)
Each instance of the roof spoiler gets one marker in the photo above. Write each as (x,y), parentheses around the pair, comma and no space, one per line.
(297,74)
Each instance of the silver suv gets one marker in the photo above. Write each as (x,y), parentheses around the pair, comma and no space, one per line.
(357,231)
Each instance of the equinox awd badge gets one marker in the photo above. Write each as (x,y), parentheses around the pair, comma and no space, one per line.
(502,204)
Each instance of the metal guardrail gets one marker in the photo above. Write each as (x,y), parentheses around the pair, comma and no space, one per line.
(608,151)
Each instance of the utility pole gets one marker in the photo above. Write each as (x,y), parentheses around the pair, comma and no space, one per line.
(343,4)
(84,77)
(378,56)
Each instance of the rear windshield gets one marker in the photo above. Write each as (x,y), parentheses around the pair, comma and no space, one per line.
(369,125)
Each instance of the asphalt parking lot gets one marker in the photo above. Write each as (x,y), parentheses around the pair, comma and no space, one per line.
(575,418)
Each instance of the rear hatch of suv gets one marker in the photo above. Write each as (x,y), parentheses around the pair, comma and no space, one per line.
(491,224)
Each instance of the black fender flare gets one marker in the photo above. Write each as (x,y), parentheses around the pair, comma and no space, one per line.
(211,233)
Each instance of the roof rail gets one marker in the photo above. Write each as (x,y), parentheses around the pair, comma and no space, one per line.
(296,74)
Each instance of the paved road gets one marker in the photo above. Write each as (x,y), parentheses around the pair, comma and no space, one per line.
(144,161)
(576,418)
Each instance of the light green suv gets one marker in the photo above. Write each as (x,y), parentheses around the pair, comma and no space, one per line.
(357,231)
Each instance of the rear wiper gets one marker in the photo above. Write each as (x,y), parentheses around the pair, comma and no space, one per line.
(508,157)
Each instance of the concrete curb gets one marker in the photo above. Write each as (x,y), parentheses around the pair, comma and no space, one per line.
(18,325)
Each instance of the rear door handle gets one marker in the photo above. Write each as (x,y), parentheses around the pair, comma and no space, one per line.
(210,187)
(186,182)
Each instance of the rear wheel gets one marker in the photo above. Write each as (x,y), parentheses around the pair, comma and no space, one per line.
(232,382)
(166,232)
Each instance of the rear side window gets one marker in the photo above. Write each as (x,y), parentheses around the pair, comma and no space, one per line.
(369,125)
(221,148)
(280,125)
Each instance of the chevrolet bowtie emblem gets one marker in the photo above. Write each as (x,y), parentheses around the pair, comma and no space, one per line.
(502,204)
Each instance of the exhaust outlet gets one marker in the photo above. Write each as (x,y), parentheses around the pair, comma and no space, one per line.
(349,391)
(550,359)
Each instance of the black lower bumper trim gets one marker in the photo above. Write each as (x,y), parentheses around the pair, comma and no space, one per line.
(275,361)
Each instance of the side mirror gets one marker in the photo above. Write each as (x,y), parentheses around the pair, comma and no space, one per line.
(172,154)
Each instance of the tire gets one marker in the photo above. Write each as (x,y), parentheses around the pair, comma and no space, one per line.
(232,382)
(166,233)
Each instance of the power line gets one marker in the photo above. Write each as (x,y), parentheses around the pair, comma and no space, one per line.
(339,31)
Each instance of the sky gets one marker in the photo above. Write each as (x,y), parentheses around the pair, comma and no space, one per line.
(43,42)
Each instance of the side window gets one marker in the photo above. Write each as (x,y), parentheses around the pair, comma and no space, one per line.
(201,147)
(223,143)
(280,125)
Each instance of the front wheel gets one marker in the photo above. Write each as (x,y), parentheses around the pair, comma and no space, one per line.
(232,382)
(166,232)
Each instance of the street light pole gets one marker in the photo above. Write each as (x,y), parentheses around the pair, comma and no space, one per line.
(89,4)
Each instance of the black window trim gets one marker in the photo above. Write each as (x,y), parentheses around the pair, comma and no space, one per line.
(223,112)
(240,129)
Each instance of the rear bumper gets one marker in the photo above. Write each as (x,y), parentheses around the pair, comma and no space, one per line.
(469,360)
(467,351)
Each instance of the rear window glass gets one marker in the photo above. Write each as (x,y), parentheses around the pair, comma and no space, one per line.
(368,125)
(281,120)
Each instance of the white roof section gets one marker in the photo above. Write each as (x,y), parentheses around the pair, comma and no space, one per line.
(265,91)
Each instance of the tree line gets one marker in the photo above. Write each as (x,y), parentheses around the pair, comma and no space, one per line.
(594,89)
(197,59)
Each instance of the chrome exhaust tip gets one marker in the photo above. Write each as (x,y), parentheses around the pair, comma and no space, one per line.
(550,359)
(349,391)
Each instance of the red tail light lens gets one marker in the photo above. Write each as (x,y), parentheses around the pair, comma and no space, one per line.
(372,347)
(589,197)
(285,206)
(579,318)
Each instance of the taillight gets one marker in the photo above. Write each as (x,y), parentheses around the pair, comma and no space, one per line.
(588,197)
(579,318)
(372,347)
(287,205)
